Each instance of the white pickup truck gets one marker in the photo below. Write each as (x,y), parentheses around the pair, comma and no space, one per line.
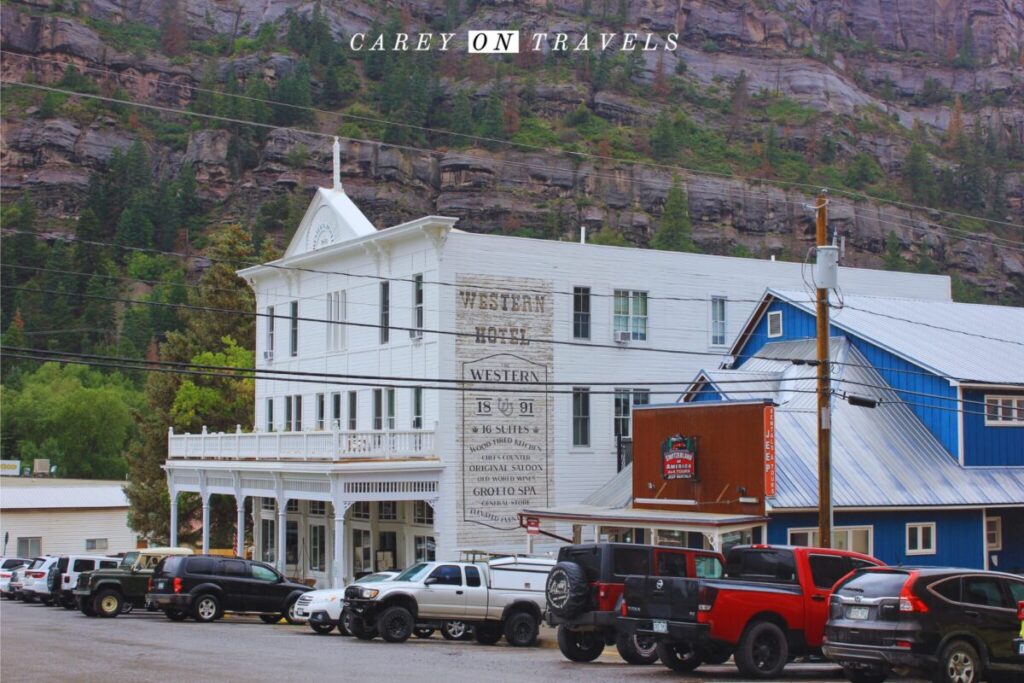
(501,597)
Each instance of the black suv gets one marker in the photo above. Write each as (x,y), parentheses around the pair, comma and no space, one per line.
(206,586)
(955,625)
(584,594)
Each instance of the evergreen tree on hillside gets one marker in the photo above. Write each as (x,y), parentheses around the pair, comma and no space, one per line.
(293,89)
(675,232)
(664,145)
(918,176)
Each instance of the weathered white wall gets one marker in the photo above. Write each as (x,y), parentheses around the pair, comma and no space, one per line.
(64,531)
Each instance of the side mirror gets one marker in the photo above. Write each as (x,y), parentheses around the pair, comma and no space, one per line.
(430,581)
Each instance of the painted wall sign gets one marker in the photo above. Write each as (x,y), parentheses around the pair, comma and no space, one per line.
(679,457)
(769,451)
(506,413)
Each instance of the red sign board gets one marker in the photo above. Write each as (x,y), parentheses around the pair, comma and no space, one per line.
(679,457)
(769,451)
(532,526)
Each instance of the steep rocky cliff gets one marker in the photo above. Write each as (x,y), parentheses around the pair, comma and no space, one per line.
(835,92)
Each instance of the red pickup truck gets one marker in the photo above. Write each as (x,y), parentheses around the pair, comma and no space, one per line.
(770,605)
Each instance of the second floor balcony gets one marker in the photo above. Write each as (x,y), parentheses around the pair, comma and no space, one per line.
(331,446)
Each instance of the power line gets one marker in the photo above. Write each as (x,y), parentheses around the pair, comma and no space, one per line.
(929,325)
(510,143)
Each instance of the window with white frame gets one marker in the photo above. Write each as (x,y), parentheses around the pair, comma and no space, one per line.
(336,410)
(1004,411)
(859,539)
(994,533)
(422,512)
(294,336)
(424,548)
(318,508)
(30,546)
(417,408)
(267,538)
(353,403)
(360,510)
(718,328)
(293,413)
(95,544)
(580,416)
(385,312)
(268,352)
(267,504)
(921,539)
(292,505)
(417,307)
(317,547)
(775,324)
(390,395)
(581,312)
(378,409)
(270,414)
(387,511)
(320,412)
(336,316)
(630,310)
(625,400)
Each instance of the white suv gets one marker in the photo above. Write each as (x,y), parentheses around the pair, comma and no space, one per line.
(7,567)
(34,585)
(322,609)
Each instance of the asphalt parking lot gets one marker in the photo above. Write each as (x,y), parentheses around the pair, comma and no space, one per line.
(45,643)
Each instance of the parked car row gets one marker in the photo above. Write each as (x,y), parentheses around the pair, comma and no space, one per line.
(766,605)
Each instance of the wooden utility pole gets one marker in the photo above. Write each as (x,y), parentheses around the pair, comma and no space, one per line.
(824,395)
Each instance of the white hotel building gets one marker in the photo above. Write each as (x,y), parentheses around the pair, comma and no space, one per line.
(351,472)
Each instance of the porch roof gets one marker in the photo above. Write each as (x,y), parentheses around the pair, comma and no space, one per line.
(638,517)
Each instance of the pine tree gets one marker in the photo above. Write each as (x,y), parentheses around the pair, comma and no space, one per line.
(492,124)
(738,104)
(462,119)
(955,130)
(918,176)
(134,229)
(664,145)
(295,97)
(674,232)
(893,258)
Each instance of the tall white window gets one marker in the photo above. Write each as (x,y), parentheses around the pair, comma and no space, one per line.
(424,548)
(320,412)
(336,410)
(336,316)
(581,312)
(580,416)
(293,413)
(921,539)
(390,395)
(718,320)
(294,336)
(417,408)
(270,414)
(417,307)
(378,409)
(625,400)
(994,533)
(630,313)
(385,312)
(353,403)
(317,547)
(422,512)
(268,352)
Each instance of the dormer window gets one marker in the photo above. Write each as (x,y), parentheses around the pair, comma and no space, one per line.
(775,324)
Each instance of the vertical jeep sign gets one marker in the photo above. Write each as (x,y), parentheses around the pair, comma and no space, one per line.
(506,408)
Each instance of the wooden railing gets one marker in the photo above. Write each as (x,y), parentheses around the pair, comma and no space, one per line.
(323,445)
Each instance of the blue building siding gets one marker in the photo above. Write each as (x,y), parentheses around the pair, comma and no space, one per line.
(796,324)
(960,539)
(1011,557)
(706,395)
(989,446)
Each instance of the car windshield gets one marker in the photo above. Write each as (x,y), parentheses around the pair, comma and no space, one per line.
(374,578)
(414,573)
(128,561)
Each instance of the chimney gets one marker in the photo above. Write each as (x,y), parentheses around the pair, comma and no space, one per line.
(337,166)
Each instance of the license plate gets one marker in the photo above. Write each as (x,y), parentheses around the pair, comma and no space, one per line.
(857,613)
(1020,648)
(301,613)
(660,626)
(161,584)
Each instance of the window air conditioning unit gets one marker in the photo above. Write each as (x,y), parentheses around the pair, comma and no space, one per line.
(415,334)
(268,355)
(622,337)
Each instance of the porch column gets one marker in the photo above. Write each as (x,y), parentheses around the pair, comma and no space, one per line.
(240,526)
(206,523)
(282,524)
(173,541)
(338,569)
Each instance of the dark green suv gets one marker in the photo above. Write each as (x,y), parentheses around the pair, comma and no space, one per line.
(110,592)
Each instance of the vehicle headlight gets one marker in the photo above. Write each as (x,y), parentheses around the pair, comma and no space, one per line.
(368,593)
(333,598)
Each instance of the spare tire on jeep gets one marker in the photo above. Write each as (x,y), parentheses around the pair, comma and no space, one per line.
(567,590)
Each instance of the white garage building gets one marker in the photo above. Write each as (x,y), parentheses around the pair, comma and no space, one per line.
(354,472)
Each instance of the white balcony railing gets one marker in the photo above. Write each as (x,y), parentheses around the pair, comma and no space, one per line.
(325,445)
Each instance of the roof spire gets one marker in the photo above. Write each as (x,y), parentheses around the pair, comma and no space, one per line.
(337,165)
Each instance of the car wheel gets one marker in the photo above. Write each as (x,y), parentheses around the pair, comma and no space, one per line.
(270,618)
(521,630)
(487,633)
(580,646)
(678,656)
(865,675)
(958,663)
(206,608)
(289,613)
(395,624)
(322,629)
(345,623)
(636,649)
(423,632)
(763,651)
(567,590)
(455,630)
(175,614)
(108,603)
